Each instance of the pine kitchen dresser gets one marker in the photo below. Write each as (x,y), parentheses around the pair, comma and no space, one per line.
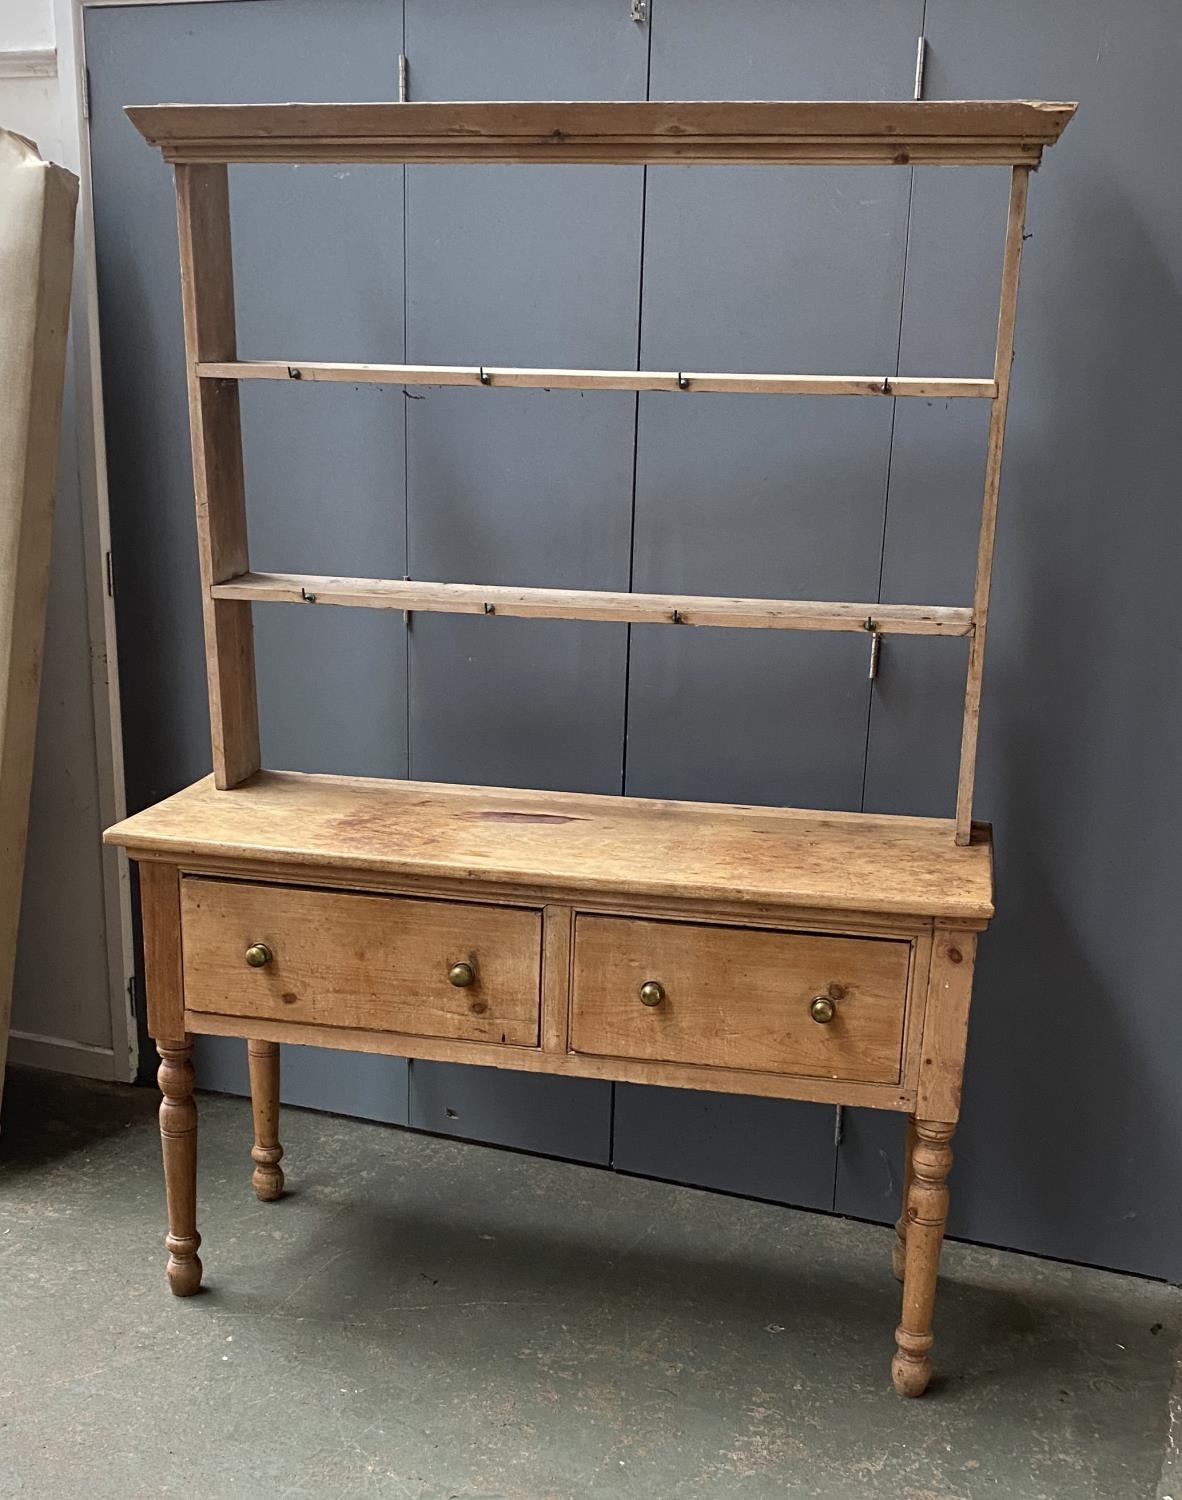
(803,955)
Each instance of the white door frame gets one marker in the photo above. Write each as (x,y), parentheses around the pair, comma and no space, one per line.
(120,1061)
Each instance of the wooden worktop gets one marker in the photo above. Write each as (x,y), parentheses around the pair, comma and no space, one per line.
(566,843)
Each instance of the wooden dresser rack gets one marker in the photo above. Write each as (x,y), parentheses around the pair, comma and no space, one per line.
(803,955)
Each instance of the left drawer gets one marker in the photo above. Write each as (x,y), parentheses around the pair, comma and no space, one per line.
(381,963)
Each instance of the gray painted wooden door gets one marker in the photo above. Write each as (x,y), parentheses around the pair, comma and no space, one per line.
(1082,733)
(764,269)
(1071,1138)
(595,490)
(520,266)
(319,270)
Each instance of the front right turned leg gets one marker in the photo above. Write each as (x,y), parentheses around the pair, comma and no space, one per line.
(178,1140)
(899,1248)
(927,1209)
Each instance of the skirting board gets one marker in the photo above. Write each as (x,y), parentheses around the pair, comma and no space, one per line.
(29,62)
(56,1054)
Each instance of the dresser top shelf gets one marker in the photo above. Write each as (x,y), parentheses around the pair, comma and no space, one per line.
(985,132)
(565,844)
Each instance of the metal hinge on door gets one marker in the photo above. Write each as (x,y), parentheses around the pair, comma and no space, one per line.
(875,647)
(638,10)
(86,93)
(403,78)
(921,57)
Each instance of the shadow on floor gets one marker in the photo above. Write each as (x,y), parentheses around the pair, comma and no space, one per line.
(422,1318)
(49,1116)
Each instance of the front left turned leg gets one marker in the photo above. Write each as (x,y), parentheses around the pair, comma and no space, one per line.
(927,1210)
(266,1153)
(178,1140)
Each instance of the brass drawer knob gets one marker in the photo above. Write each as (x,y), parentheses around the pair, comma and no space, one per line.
(257,955)
(461,975)
(652,992)
(822,1010)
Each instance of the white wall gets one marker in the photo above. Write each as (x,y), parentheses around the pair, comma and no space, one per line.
(26,24)
(68,1007)
(29,95)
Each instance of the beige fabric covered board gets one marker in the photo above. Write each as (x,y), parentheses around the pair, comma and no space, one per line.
(37,202)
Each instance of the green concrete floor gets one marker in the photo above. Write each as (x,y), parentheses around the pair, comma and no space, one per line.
(425,1320)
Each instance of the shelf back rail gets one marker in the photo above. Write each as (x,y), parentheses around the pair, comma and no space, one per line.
(203,140)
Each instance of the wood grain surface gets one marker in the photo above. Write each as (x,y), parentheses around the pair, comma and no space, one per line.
(568,844)
(739,999)
(380,962)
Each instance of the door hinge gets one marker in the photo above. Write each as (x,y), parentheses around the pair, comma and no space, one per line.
(110,571)
(403,78)
(132,996)
(638,10)
(86,93)
(875,647)
(838,1123)
(921,57)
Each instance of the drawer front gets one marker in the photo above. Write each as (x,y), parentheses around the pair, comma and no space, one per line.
(376,962)
(737,998)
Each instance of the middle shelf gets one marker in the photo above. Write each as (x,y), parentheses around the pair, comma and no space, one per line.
(593,604)
(930,387)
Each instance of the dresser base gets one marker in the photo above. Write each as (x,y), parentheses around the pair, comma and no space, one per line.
(795,955)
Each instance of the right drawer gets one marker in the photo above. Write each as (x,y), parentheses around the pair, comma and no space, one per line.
(732,997)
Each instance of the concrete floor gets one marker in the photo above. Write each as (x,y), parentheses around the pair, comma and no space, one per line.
(436,1321)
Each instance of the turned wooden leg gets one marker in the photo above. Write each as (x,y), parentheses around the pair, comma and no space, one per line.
(178,1139)
(899,1248)
(927,1209)
(264,1101)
